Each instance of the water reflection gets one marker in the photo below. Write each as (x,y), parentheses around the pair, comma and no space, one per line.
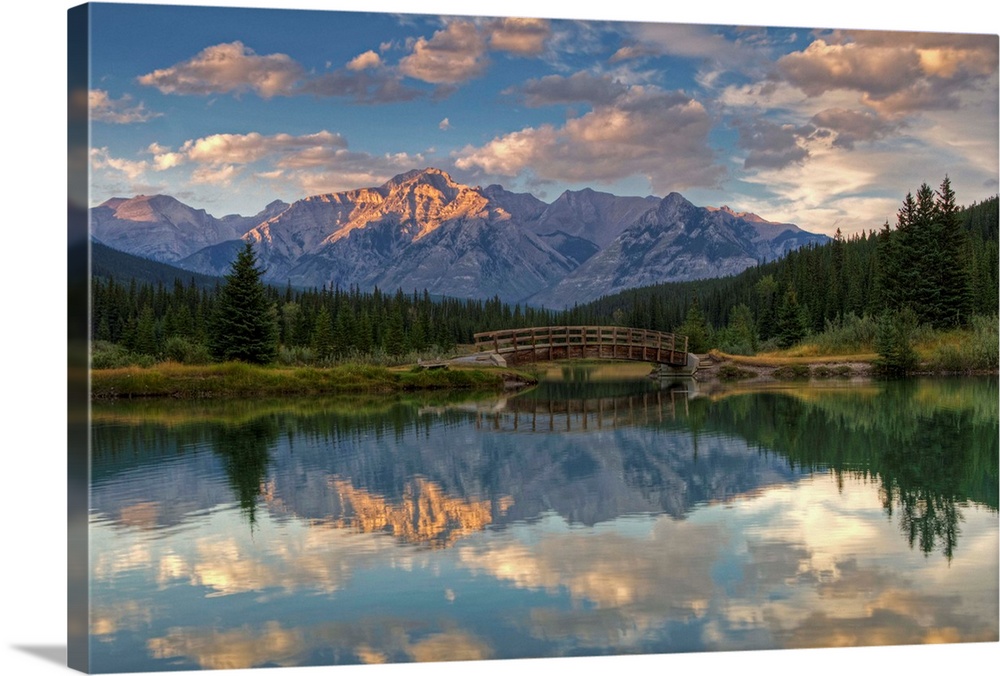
(588,516)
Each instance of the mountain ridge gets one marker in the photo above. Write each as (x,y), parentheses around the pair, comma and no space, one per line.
(424,230)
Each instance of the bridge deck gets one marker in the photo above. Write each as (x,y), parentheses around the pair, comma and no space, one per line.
(546,343)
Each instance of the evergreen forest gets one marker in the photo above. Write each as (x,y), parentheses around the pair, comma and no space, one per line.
(935,267)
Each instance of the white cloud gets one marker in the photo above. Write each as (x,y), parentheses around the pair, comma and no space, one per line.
(525,37)
(218,175)
(101,159)
(368,59)
(454,54)
(252,147)
(662,136)
(895,73)
(444,125)
(228,68)
(116,111)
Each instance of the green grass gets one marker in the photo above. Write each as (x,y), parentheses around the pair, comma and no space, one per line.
(972,349)
(234,379)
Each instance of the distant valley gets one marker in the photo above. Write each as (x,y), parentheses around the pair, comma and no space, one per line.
(422,230)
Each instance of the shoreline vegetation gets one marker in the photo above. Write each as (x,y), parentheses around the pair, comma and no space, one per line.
(237,379)
(972,352)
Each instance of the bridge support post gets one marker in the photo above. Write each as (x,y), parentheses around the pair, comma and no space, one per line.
(687,370)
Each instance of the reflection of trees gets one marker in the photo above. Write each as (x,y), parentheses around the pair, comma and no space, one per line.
(246,451)
(932,445)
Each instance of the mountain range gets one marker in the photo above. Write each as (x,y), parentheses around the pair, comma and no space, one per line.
(422,230)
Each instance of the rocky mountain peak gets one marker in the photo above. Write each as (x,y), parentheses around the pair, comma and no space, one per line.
(422,229)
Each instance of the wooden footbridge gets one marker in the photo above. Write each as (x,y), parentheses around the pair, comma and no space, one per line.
(547,343)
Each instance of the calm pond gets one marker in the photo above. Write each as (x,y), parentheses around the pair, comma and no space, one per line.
(599,513)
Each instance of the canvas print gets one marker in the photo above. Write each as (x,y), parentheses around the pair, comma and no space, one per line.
(417,338)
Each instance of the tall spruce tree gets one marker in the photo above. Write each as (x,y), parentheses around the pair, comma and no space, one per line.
(952,273)
(245,324)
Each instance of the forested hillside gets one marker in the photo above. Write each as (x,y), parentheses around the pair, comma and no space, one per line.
(937,260)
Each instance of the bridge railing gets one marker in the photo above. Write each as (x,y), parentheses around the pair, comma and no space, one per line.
(643,344)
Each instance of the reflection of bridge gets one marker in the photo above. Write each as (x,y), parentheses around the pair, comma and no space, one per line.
(522,414)
(547,343)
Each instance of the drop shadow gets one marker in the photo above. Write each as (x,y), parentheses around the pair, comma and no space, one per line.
(50,653)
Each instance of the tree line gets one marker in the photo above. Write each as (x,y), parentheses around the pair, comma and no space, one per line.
(937,265)
(244,319)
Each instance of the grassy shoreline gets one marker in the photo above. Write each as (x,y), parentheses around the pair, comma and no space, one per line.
(235,379)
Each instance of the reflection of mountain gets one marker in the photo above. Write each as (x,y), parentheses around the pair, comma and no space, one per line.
(430,478)
(435,476)
(424,514)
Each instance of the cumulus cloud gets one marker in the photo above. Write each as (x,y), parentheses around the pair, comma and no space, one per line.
(771,145)
(368,59)
(248,148)
(310,163)
(218,175)
(444,125)
(853,126)
(525,37)
(101,159)
(581,87)
(368,86)
(234,68)
(228,68)
(454,54)
(893,72)
(116,111)
(696,42)
(646,132)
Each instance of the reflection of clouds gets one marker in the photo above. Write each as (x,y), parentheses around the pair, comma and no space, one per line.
(228,559)
(233,649)
(816,565)
(622,587)
(105,622)
(109,564)
(838,574)
(319,558)
(274,644)
(444,647)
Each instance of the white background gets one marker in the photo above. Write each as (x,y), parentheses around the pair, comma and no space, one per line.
(32,328)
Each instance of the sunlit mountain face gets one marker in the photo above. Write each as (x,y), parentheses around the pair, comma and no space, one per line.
(423,230)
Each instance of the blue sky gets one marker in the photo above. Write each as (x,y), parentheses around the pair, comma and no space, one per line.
(228,108)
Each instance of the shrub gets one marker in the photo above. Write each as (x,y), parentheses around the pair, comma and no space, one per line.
(984,347)
(849,333)
(734,372)
(185,351)
(791,372)
(894,342)
(105,355)
(976,349)
(838,371)
(295,355)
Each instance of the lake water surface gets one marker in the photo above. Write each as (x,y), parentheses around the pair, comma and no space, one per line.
(599,513)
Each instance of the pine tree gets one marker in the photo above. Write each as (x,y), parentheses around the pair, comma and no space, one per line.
(695,328)
(146,341)
(322,341)
(791,325)
(951,273)
(244,326)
